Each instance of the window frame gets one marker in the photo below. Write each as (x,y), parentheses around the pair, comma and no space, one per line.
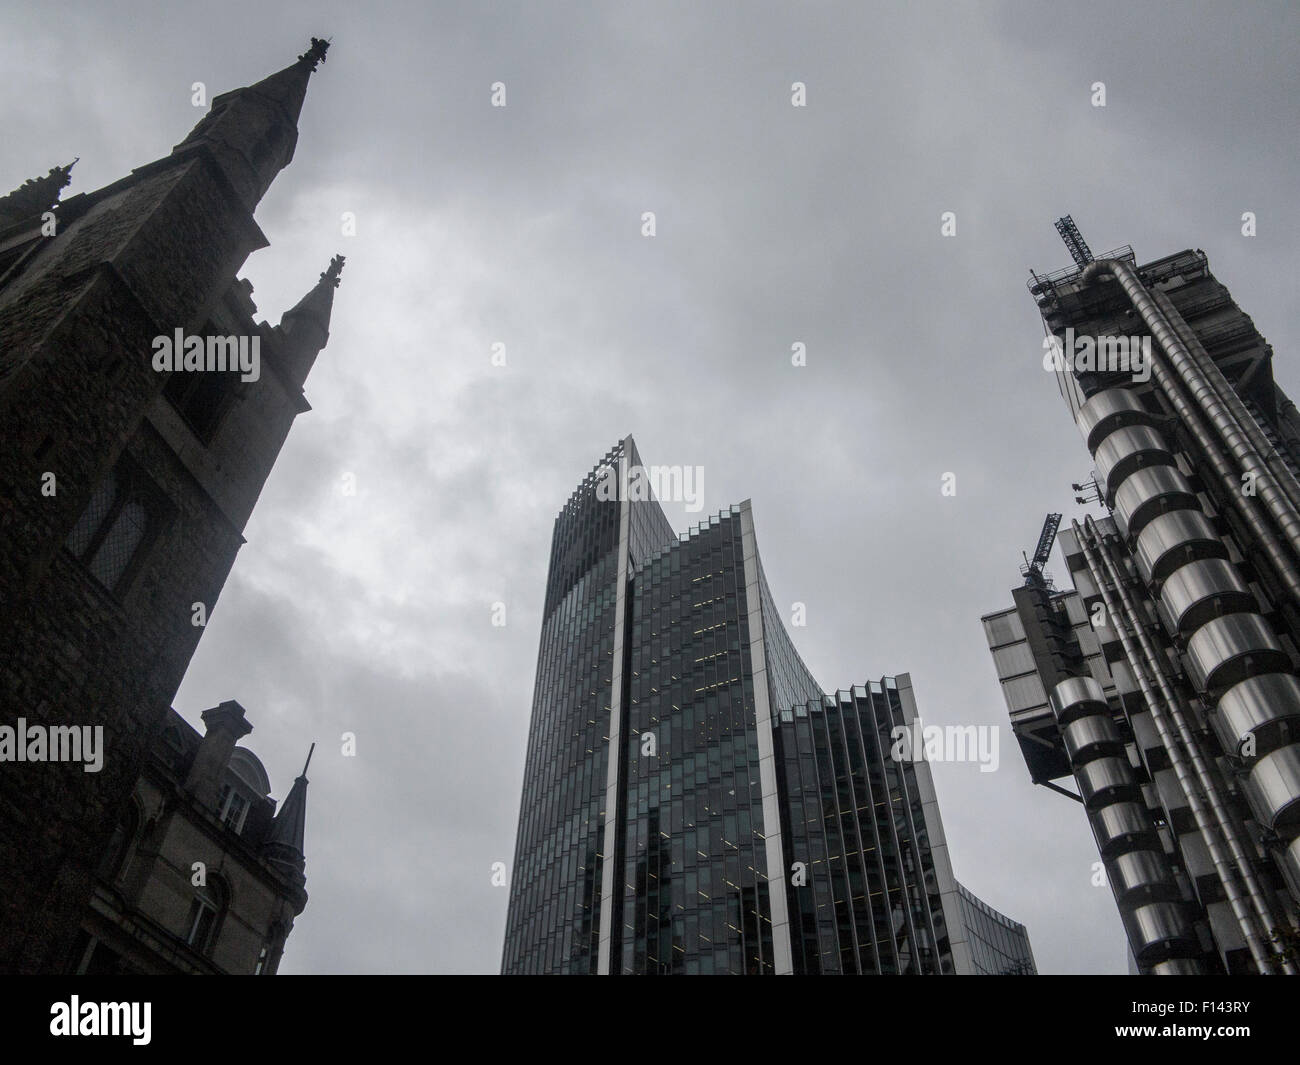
(182,385)
(212,898)
(131,486)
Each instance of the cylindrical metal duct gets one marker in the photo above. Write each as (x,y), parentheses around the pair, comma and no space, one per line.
(1147,494)
(1123,826)
(1091,737)
(1273,790)
(1127,450)
(1266,708)
(1273,493)
(1110,410)
(1200,591)
(1142,876)
(1250,908)
(1077,697)
(1173,540)
(1158,931)
(1231,648)
(1106,780)
(1138,870)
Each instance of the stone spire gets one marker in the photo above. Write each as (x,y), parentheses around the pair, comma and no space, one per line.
(305,328)
(35,195)
(251,132)
(284,845)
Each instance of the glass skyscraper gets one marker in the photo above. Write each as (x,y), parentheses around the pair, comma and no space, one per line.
(693,802)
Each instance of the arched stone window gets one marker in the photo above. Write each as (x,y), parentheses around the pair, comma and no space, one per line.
(117,856)
(123,515)
(207,911)
(272,947)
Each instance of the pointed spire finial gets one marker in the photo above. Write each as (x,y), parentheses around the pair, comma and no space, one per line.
(335,268)
(251,132)
(285,846)
(316,53)
(310,752)
(37,194)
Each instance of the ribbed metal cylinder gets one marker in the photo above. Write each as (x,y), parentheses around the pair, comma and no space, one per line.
(1091,736)
(1198,592)
(1142,875)
(1148,493)
(1128,450)
(1266,707)
(1158,931)
(1077,697)
(1231,648)
(1106,780)
(1206,417)
(1222,655)
(1110,410)
(1250,908)
(1173,540)
(1122,826)
(1273,790)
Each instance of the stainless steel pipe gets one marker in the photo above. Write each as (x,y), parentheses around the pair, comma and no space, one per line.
(1191,782)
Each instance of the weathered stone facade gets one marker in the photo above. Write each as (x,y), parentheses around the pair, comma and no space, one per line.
(193,880)
(97,610)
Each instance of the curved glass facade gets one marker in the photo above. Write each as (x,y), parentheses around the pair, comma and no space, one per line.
(999,946)
(554,918)
(675,818)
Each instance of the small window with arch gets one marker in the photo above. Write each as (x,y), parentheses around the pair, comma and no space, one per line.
(117,527)
(207,909)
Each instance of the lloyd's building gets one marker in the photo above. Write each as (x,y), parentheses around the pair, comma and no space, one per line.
(692,801)
(1164,683)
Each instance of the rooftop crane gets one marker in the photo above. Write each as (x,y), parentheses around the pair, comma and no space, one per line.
(1079,250)
(1033,567)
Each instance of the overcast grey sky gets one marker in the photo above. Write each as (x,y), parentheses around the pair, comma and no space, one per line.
(775,225)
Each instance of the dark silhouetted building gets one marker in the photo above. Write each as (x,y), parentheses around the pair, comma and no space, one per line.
(125,488)
(203,874)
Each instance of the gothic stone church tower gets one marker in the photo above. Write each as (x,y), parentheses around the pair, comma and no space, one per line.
(124,490)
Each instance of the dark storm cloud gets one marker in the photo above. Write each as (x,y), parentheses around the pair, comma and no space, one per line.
(372,613)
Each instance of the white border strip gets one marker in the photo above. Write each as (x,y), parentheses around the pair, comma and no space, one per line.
(613,773)
(782,957)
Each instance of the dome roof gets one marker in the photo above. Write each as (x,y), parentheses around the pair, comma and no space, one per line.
(246,767)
